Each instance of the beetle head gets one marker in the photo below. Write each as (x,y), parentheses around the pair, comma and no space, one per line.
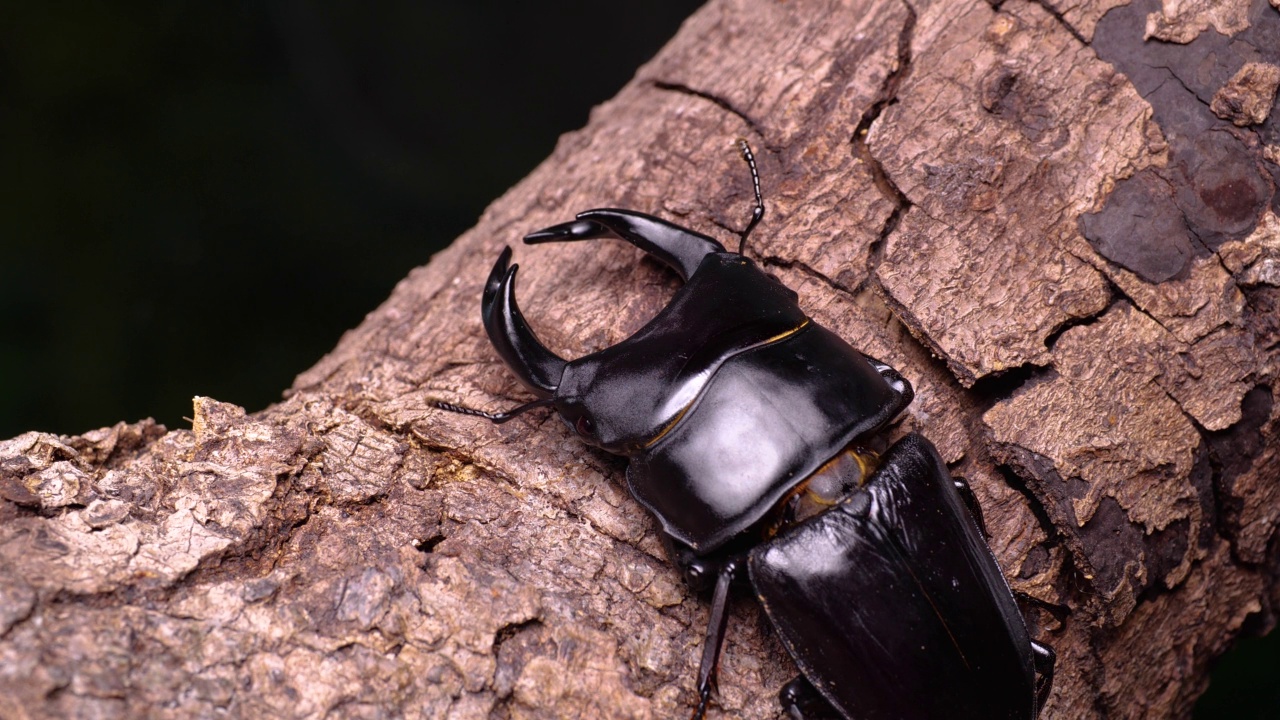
(596,411)
(549,376)
(621,397)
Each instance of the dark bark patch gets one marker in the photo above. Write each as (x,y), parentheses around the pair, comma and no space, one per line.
(1194,71)
(1244,489)
(13,490)
(1220,187)
(1113,547)
(995,88)
(1235,448)
(1036,562)
(1141,229)
(1165,549)
(1219,183)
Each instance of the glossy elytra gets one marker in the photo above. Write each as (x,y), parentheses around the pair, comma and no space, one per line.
(751,433)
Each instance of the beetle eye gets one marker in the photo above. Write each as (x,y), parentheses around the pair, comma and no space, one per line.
(584,426)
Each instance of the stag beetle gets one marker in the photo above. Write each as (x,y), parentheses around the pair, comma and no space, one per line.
(750,432)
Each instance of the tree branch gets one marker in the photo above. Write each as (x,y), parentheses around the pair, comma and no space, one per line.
(352,550)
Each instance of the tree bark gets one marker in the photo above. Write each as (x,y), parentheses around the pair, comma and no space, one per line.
(1029,210)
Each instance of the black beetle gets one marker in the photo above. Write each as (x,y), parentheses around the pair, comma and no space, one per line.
(749,430)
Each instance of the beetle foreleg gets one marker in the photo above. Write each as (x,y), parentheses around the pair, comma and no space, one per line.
(716,625)
(1044,659)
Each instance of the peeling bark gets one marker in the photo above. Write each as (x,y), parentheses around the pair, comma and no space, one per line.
(953,188)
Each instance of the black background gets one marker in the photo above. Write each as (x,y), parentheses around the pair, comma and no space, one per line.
(199,198)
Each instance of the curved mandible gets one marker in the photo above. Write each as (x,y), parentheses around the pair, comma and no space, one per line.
(680,249)
(535,365)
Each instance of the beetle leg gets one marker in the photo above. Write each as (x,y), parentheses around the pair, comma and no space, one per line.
(678,248)
(802,701)
(971,502)
(1044,659)
(716,625)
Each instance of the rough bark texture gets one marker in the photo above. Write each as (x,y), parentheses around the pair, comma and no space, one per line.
(1030,210)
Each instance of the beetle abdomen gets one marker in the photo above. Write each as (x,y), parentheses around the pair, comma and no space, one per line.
(892,605)
(767,420)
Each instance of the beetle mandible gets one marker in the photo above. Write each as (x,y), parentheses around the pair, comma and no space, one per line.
(750,430)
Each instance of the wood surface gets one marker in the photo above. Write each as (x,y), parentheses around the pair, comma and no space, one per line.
(1058,220)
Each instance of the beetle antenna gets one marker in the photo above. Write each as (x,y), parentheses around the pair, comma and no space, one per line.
(757,214)
(495,418)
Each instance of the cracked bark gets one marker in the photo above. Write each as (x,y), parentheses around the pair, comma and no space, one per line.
(352,552)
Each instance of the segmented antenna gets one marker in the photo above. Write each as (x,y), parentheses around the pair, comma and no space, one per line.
(495,418)
(757,214)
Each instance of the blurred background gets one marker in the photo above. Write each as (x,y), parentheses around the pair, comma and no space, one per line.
(199,198)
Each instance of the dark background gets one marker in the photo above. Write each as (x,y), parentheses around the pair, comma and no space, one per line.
(199,198)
